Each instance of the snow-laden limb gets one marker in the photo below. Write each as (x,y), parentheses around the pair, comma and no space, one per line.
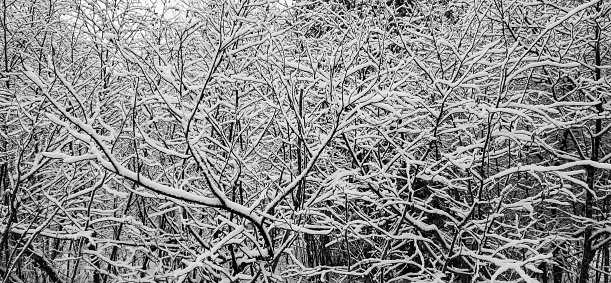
(113,165)
(542,169)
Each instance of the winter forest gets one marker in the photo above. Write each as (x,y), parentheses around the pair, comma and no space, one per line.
(305,141)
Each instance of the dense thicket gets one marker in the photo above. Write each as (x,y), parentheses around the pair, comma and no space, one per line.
(343,141)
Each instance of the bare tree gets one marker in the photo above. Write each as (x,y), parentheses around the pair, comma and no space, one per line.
(235,141)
